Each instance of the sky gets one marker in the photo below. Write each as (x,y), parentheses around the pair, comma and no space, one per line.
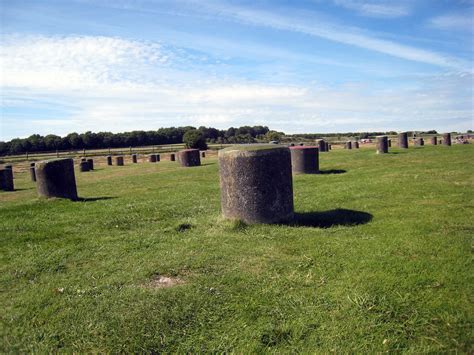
(295,66)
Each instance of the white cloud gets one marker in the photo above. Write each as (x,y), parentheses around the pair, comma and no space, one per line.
(458,22)
(383,9)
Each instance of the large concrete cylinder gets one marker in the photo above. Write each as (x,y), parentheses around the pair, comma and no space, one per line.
(256,183)
(382,144)
(84,166)
(434,141)
(91,164)
(403,140)
(304,160)
(172,157)
(355,145)
(6,179)
(152,158)
(119,160)
(109,160)
(321,145)
(348,145)
(189,157)
(446,138)
(55,178)
(134,158)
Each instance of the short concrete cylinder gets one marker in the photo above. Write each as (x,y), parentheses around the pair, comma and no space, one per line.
(447,139)
(348,145)
(203,154)
(355,145)
(389,143)
(403,140)
(256,183)
(6,179)
(91,164)
(434,140)
(32,172)
(84,166)
(119,160)
(321,145)
(109,160)
(304,160)
(422,141)
(172,157)
(327,147)
(189,157)
(152,158)
(330,146)
(158,157)
(55,178)
(134,158)
(382,144)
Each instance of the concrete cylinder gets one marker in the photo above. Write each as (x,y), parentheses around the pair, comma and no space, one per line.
(330,146)
(326,147)
(32,172)
(91,164)
(434,141)
(109,160)
(152,158)
(83,159)
(203,154)
(256,183)
(403,140)
(6,179)
(304,160)
(158,157)
(447,139)
(382,144)
(172,157)
(321,145)
(422,141)
(119,160)
(355,145)
(348,145)
(55,178)
(84,166)
(134,158)
(189,157)
(389,143)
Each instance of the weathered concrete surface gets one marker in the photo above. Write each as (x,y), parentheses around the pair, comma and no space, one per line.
(304,160)
(134,158)
(348,145)
(109,160)
(6,179)
(189,157)
(84,166)
(434,140)
(382,144)
(447,139)
(91,163)
(152,158)
(119,160)
(256,183)
(55,178)
(403,140)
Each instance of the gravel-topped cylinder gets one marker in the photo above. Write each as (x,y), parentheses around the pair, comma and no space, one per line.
(434,141)
(152,158)
(6,179)
(189,157)
(348,145)
(304,160)
(447,139)
(84,166)
(55,178)
(134,158)
(172,157)
(355,145)
(256,183)
(119,160)
(382,144)
(32,172)
(321,145)
(403,140)
(109,160)
(91,164)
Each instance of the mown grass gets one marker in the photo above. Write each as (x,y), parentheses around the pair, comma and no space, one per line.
(380,259)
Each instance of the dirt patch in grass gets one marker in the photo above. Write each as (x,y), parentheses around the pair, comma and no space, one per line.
(162,281)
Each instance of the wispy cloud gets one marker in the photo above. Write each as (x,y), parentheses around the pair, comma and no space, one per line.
(457,22)
(382,9)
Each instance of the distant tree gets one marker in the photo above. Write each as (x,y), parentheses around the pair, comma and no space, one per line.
(273,136)
(194,139)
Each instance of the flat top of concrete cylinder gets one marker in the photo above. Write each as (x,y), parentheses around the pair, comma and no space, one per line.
(52,160)
(304,147)
(252,149)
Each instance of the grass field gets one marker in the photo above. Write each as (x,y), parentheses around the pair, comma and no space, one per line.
(380,259)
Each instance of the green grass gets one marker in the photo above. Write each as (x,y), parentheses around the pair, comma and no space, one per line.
(75,275)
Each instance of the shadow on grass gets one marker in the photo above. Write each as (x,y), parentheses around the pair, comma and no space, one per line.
(332,218)
(93,199)
(332,171)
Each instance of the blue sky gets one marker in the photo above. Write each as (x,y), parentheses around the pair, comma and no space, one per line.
(295,66)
